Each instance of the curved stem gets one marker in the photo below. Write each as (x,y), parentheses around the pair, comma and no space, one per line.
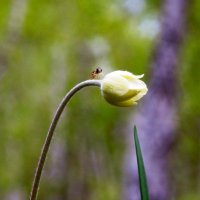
(50,133)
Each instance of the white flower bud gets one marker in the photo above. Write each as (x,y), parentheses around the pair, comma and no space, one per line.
(122,88)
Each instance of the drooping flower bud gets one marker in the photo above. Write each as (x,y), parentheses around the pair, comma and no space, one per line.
(122,88)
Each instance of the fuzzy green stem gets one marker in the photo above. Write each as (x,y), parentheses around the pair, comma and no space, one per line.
(43,154)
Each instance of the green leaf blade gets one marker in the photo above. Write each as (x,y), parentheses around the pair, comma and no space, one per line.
(141,169)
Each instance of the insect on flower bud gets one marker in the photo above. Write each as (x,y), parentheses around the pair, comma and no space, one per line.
(122,88)
(97,73)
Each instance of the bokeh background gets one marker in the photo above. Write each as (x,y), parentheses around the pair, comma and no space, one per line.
(46,47)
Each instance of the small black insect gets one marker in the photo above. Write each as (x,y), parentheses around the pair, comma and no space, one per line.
(96,72)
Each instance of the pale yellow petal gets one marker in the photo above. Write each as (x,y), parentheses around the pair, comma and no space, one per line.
(123,88)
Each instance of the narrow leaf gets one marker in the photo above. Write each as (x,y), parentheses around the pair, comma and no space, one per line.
(141,169)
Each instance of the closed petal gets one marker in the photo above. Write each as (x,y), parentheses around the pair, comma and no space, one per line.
(122,88)
(127,103)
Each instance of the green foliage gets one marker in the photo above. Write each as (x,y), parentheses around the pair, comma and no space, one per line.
(141,169)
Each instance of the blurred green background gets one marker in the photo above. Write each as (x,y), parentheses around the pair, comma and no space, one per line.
(46,47)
